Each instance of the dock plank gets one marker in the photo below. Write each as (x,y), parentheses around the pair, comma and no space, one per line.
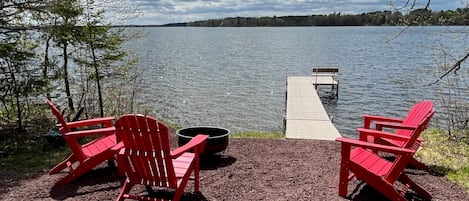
(306,117)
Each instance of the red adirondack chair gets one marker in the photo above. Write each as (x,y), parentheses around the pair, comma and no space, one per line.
(360,160)
(404,127)
(87,156)
(147,160)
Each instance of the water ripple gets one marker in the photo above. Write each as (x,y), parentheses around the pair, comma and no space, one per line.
(235,77)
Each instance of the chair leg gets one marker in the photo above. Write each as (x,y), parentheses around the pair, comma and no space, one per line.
(125,190)
(62,165)
(197,176)
(180,188)
(343,180)
(76,173)
(178,194)
(419,190)
(120,166)
(83,168)
(344,172)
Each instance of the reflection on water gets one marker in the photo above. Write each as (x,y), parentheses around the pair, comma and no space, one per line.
(236,77)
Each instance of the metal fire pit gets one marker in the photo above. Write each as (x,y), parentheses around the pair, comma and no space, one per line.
(217,140)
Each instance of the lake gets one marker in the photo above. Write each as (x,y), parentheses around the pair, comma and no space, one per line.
(235,77)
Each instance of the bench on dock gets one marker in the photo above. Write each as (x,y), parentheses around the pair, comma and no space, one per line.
(326,76)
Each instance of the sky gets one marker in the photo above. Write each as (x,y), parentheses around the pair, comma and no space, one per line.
(159,12)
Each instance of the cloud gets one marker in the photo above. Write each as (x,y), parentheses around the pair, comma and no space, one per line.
(172,11)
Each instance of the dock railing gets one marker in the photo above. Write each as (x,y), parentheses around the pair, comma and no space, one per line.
(326,76)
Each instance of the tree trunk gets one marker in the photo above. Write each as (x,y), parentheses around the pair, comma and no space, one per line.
(98,79)
(17,100)
(67,84)
(46,62)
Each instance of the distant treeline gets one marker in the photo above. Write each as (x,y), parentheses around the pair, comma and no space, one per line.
(459,16)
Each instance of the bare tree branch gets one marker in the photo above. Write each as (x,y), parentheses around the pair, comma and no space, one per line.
(428,4)
(455,67)
(414,3)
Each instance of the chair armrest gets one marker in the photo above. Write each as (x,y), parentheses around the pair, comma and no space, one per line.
(195,143)
(380,125)
(376,147)
(363,132)
(367,119)
(122,151)
(381,118)
(92,132)
(117,148)
(106,121)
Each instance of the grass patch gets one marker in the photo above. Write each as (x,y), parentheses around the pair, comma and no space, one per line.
(445,156)
(31,158)
(252,134)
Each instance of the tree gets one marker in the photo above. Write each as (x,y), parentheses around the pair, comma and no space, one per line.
(19,79)
(89,45)
(101,45)
(65,31)
(74,35)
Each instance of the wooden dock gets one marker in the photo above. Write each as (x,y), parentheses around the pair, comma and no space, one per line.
(306,117)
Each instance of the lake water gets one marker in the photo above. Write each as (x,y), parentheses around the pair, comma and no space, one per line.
(236,77)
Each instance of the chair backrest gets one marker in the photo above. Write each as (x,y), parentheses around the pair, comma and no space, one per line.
(73,143)
(416,115)
(402,161)
(421,126)
(59,117)
(146,150)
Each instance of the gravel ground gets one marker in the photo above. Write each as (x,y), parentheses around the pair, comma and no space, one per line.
(250,169)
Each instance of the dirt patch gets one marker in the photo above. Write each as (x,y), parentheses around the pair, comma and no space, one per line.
(250,169)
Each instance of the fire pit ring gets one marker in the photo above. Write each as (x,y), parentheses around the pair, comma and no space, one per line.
(217,140)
